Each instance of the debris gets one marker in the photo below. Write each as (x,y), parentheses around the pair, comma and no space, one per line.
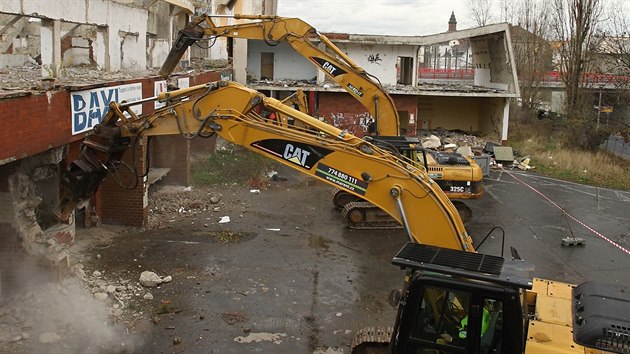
(450,146)
(272,229)
(49,337)
(187,189)
(523,164)
(276,338)
(100,296)
(224,220)
(489,147)
(233,317)
(254,191)
(149,279)
(432,142)
(503,153)
(111,289)
(465,150)
(177,340)
(573,241)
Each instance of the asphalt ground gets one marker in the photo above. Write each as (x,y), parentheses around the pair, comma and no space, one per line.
(537,212)
(297,280)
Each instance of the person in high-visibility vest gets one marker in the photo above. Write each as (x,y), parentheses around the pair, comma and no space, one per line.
(485,323)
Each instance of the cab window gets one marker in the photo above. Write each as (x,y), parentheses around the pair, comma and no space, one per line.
(441,320)
(491,327)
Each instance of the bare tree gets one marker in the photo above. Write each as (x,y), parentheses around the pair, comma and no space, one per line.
(480,11)
(532,52)
(614,59)
(509,11)
(617,39)
(576,25)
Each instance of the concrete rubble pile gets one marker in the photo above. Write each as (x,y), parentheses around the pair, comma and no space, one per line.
(87,307)
(29,78)
(453,140)
(183,202)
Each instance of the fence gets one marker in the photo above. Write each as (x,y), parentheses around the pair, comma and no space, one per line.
(618,146)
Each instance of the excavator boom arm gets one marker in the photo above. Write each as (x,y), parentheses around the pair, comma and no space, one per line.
(299,35)
(311,147)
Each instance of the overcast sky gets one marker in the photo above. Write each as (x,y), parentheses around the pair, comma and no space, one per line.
(394,17)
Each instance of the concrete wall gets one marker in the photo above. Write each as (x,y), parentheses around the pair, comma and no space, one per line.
(449,113)
(288,64)
(113,51)
(378,60)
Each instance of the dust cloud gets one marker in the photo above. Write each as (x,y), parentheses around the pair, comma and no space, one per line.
(42,315)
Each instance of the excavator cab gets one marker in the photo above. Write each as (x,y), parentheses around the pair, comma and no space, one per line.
(463,302)
(459,302)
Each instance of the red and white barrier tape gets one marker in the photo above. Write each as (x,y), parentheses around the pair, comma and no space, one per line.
(569,215)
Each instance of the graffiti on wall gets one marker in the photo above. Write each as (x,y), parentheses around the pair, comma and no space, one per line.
(374,58)
(354,123)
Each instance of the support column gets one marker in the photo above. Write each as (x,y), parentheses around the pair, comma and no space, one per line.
(101,54)
(50,34)
(239,60)
(506,119)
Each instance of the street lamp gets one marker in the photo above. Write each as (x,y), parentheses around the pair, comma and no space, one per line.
(599,105)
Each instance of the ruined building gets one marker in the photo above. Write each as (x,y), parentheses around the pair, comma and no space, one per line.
(62,62)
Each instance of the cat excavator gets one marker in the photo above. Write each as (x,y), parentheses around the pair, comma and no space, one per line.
(454,300)
(460,177)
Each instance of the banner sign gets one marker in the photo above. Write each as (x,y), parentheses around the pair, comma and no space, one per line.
(159,87)
(90,106)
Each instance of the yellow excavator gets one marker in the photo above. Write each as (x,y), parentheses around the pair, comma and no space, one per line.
(454,300)
(460,177)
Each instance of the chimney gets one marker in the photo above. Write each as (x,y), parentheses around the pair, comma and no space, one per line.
(452,23)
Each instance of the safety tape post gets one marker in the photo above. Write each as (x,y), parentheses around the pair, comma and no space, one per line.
(569,215)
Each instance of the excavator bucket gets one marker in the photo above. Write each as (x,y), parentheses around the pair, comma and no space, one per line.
(187,37)
(100,152)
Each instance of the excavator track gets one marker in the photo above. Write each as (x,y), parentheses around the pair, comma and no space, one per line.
(371,340)
(366,216)
(372,219)
(341,198)
(464,211)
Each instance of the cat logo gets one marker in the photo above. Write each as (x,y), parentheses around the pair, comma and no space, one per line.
(328,67)
(296,155)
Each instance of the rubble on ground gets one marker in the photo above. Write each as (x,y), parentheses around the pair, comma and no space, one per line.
(182,201)
(469,145)
(150,279)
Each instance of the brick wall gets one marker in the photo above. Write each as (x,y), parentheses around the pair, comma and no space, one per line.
(34,123)
(345,112)
(172,151)
(118,205)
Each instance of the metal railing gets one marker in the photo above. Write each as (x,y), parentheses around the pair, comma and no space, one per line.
(551,76)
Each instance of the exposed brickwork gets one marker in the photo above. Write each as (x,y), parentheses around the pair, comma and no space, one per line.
(203,146)
(172,151)
(345,112)
(32,124)
(117,205)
